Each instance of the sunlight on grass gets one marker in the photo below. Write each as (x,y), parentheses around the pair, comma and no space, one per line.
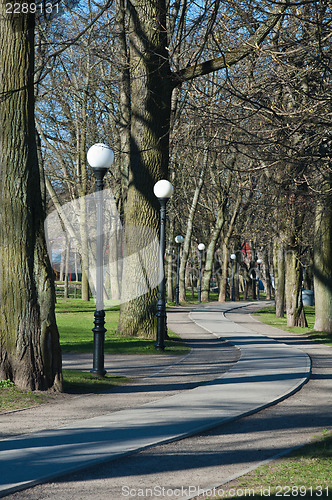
(267,315)
(74,382)
(75,322)
(12,398)
(304,473)
(77,382)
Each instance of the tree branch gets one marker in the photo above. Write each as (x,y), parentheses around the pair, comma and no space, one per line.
(234,56)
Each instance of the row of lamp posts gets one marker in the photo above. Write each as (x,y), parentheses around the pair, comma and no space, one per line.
(100,157)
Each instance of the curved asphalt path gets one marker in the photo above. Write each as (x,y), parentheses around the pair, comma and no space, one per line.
(206,406)
(153,377)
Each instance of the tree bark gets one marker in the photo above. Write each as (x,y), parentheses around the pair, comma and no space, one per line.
(224,281)
(30,352)
(189,230)
(210,254)
(294,305)
(267,273)
(171,262)
(215,233)
(224,273)
(279,276)
(323,262)
(150,118)
(124,101)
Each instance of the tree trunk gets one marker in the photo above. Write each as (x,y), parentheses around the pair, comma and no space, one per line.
(215,233)
(224,275)
(189,230)
(279,276)
(114,258)
(85,252)
(246,284)
(29,341)
(210,254)
(323,263)
(150,118)
(66,273)
(62,264)
(151,85)
(83,183)
(224,281)
(237,268)
(293,281)
(267,273)
(171,259)
(124,99)
(293,287)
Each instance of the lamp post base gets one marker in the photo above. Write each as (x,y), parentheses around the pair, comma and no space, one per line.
(161,319)
(160,344)
(98,344)
(98,373)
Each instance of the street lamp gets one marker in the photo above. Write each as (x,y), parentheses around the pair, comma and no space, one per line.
(163,190)
(259,261)
(178,240)
(100,157)
(233,258)
(201,248)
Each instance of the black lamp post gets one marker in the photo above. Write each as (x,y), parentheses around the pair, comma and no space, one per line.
(259,261)
(201,248)
(178,240)
(100,158)
(163,190)
(233,258)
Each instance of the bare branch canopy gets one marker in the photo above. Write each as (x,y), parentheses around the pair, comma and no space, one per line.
(230,58)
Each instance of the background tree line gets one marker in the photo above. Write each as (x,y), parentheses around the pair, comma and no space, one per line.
(229,100)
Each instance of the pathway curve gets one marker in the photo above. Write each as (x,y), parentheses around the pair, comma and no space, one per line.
(267,377)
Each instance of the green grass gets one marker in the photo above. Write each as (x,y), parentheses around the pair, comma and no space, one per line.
(13,399)
(213,297)
(304,473)
(190,299)
(77,382)
(75,321)
(267,315)
(74,382)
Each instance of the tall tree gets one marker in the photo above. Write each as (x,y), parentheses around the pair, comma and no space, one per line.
(323,257)
(29,341)
(152,83)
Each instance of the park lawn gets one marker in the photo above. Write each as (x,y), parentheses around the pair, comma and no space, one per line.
(267,315)
(74,382)
(193,298)
(79,382)
(306,473)
(75,321)
(13,399)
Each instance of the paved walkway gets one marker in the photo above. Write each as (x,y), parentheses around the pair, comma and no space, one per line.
(266,372)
